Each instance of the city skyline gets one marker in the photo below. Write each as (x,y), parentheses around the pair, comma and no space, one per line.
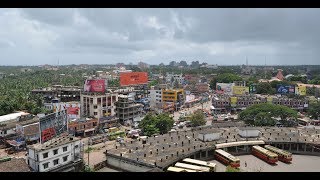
(108,36)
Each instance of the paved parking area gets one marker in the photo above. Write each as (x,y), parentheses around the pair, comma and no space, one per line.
(300,163)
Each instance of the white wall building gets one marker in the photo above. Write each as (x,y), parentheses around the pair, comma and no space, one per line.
(176,77)
(58,154)
(207,136)
(154,97)
(98,105)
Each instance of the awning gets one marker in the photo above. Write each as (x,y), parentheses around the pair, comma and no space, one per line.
(88,130)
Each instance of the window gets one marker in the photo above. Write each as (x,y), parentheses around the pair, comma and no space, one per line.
(95,113)
(45,155)
(65,148)
(95,107)
(76,146)
(65,158)
(45,165)
(55,162)
(5,132)
(55,151)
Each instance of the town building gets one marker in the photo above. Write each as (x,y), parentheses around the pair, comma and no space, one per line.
(29,132)
(98,105)
(176,77)
(127,110)
(154,97)
(61,154)
(83,127)
(202,88)
(8,122)
(73,108)
(62,93)
(176,96)
(14,165)
(2,75)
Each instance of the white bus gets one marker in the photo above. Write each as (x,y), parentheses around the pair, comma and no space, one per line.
(176,169)
(192,167)
(212,166)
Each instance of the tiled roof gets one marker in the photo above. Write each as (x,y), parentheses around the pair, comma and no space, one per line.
(14,165)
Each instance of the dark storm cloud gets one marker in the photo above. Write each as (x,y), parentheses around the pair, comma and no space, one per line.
(286,36)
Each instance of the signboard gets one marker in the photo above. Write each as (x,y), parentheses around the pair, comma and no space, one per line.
(252,88)
(285,89)
(73,109)
(240,90)
(52,125)
(269,99)
(301,90)
(133,78)
(233,101)
(224,88)
(94,85)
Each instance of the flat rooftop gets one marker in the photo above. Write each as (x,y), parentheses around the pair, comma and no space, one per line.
(55,142)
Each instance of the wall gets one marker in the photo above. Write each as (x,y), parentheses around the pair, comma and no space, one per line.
(9,132)
(126,164)
(249,133)
(208,137)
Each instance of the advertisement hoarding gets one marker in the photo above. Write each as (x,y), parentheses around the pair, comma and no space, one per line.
(240,90)
(224,88)
(285,89)
(52,125)
(133,78)
(73,109)
(233,101)
(252,88)
(301,90)
(94,85)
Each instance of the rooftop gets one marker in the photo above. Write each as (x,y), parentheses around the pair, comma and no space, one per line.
(14,165)
(59,141)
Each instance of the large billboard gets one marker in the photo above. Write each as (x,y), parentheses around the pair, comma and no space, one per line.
(285,89)
(224,88)
(233,101)
(240,90)
(52,125)
(301,90)
(73,109)
(94,85)
(252,88)
(133,78)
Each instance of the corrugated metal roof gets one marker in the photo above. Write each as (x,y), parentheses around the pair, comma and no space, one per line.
(11,116)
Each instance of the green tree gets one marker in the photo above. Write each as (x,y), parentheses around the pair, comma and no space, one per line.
(261,114)
(198,119)
(265,88)
(232,169)
(314,110)
(152,124)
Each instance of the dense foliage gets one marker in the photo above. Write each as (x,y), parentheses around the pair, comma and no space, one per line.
(153,124)
(198,119)
(263,114)
(314,110)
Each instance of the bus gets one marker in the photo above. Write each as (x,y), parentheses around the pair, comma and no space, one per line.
(226,158)
(264,154)
(192,167)
(283,155)
(212,166)
(176,169)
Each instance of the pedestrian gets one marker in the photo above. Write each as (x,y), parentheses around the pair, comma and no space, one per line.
(245,163)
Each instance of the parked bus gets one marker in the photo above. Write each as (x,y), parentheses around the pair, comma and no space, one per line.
(227,158)
(283,155)
(212,166)
(176,169)
(264,154)
(192,167)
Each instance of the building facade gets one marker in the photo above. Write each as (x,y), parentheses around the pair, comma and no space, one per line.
(83,127)
(98,105)
(176,96)
(61,154)
(63,93)
(127,110)
(154,97)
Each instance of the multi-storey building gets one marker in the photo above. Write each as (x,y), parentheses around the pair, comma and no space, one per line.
(127,110)
(63,93)
(83,127)
(202,87)
(60,154)
(175,96)
(98,105)
(155,97)
(176,77)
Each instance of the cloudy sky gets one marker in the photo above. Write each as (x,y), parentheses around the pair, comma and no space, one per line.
(106,36)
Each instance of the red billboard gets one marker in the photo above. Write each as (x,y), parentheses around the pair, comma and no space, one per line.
(94,85)
(73,110)
(133,78)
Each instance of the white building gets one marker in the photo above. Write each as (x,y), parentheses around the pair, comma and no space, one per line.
(154,97)
(10,118)
(73,108)
(176,77)
(59,154)
(97,105)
